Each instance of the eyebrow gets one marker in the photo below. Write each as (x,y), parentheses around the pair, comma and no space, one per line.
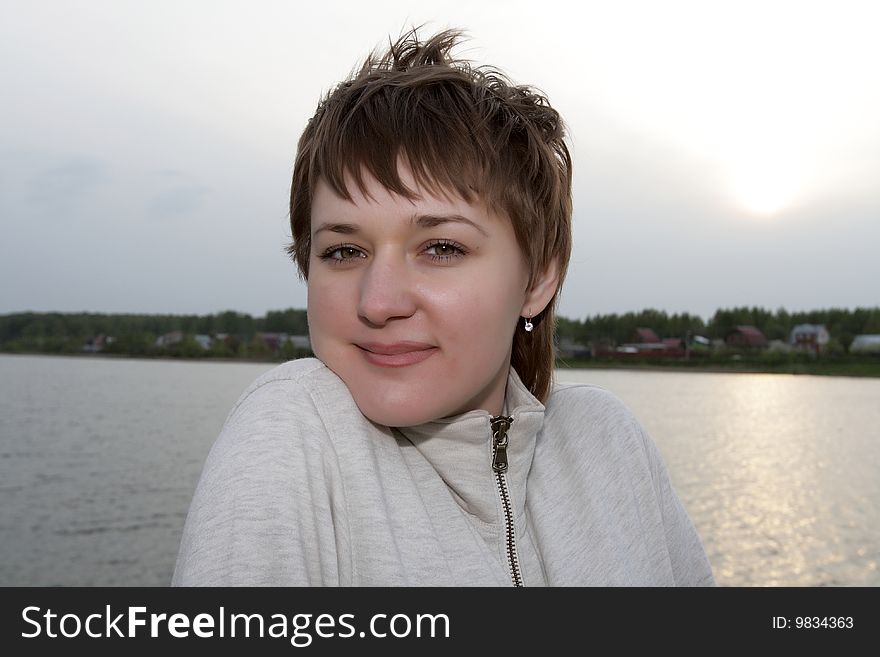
(420,220)
(432,220)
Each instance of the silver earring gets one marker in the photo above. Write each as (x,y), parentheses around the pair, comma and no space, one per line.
(528,327)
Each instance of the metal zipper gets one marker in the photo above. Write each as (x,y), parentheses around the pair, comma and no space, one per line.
(500,424)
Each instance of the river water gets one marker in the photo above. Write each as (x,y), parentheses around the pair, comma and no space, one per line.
(99,458)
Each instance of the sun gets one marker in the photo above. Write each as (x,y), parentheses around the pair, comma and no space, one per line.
(764,188)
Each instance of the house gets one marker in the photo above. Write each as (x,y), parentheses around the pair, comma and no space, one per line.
(175,337)
(745,337)
(644,336)
(645,342)
(643,348)
(603,348)
(568,348)
(225,338)
(97,343)
(272,341)
(865,344)
(301,342)
(699,344)
(673,344)
(809,337)
(204,341)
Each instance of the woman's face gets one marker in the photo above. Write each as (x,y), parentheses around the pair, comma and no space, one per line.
(413,304)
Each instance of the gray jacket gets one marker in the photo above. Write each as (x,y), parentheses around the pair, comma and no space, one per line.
(301,489)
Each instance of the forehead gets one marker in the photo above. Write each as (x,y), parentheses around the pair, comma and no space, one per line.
(374,194)
(372,200)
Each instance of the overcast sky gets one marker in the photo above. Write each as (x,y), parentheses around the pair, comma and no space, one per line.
(725,153)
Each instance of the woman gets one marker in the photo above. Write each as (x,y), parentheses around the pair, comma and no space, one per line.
(425,445)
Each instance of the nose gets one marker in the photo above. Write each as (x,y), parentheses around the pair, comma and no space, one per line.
(386,290)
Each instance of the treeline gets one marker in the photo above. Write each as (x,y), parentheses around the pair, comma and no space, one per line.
(842,324)
(137,334)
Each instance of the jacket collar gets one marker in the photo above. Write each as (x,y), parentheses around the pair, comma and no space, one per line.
(459,448)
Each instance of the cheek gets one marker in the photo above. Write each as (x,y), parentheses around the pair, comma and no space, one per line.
(326,304)
(476,316)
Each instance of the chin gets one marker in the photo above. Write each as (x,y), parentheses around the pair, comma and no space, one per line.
(402,414)
(405,405)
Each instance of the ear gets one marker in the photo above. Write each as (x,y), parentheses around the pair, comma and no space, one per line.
(542,291)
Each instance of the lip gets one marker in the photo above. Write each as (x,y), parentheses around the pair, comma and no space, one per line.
(397,354)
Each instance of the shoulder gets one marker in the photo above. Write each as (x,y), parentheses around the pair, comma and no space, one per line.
(282,412)
(301,376)
(587,405)
(595,421)
(270,478)
(292,387)
(595,441)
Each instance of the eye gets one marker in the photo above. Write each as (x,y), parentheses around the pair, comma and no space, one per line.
(341,253)
(445,250)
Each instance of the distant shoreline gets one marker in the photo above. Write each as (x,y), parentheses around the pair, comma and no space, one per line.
(200,359)
(860,369)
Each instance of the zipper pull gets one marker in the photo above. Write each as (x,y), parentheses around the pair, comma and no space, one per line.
(500,425)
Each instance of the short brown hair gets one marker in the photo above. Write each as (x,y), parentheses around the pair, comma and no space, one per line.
(459,127)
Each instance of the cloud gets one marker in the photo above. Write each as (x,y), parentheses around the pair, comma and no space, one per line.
(67,184)
(177,200)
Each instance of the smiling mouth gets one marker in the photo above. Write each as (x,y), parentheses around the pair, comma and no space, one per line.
(396,355)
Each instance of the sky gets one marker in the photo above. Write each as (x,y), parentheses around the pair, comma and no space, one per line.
(725,153)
